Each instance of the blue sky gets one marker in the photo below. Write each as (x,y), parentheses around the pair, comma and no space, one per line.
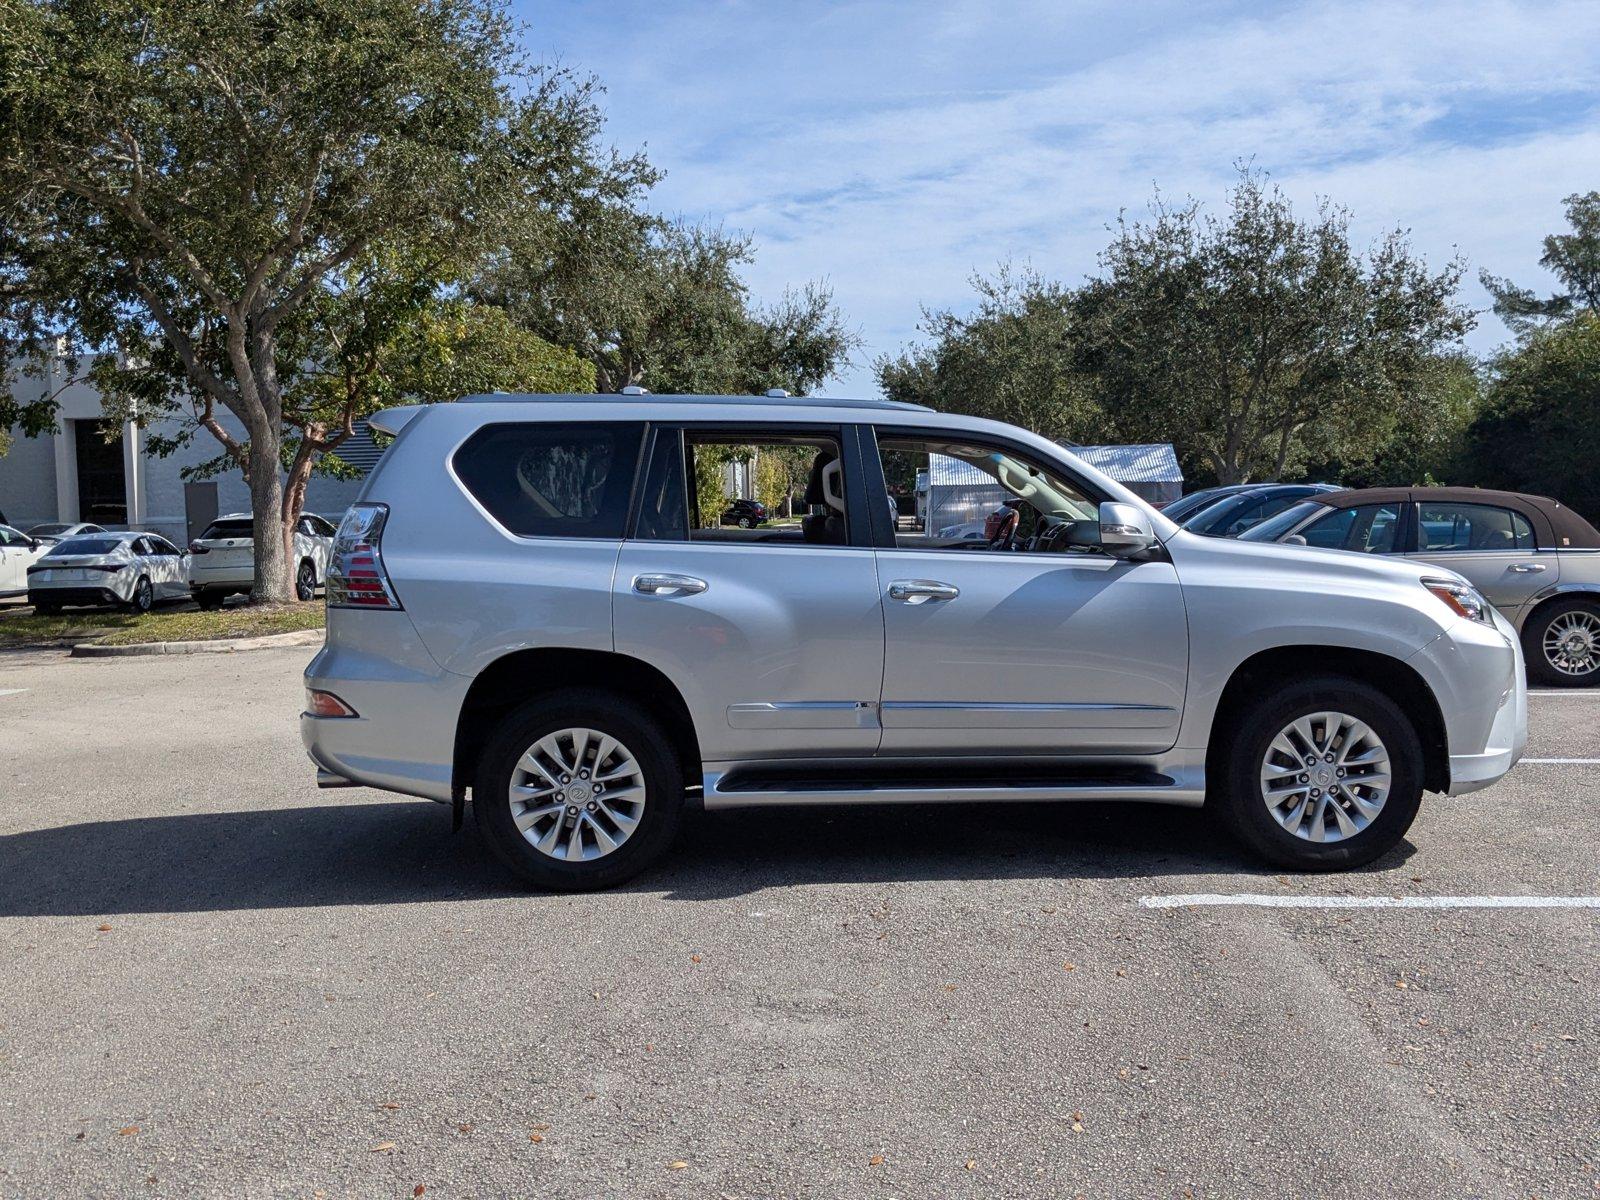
(892,149)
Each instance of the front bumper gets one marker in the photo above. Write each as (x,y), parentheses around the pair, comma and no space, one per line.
(1477,675)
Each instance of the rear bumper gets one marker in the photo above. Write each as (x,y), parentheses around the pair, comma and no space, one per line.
(75,597)
(403,738)
(201,578)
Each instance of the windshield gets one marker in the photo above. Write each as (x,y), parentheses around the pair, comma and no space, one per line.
(1274,528)
(236,527)
(84,545)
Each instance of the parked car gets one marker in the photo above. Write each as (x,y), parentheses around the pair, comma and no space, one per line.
(1185,507)
(968,531)
(222,560)
(1535,559)
(128,568)
(1230,516)
(746,514)
(523,605)
(58,532)
(18,552)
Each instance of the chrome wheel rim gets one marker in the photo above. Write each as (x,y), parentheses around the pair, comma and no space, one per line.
(306,585)
(1572,643)
(1325,777)
(577,795)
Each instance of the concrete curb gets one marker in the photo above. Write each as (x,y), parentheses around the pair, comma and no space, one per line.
(270,641)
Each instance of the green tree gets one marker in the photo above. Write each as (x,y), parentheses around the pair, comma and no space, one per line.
(1539,430)
(1573,258)
(1010,358)
(1259,341)
(663,305)
(195,175)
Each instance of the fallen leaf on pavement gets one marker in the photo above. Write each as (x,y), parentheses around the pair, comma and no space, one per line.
(972,1164)
(677,1166)
(875,1161)
(694,958)
(1070,966)
(536,1137)
(103,928)
(390,1105)
(382,1146)
(127,1131)
(419,1189)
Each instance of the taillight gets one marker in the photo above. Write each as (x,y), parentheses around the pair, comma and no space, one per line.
(326,704)
(356,576)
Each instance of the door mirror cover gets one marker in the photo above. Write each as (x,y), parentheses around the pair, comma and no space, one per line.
(1125,531)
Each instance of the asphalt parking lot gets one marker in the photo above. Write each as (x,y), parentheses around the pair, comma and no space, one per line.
(219,981)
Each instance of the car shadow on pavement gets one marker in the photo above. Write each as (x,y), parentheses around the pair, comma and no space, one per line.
(402,853)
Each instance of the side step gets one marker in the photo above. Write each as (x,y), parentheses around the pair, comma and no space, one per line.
(924,783)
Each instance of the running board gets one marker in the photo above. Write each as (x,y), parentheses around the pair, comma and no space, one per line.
(757,786)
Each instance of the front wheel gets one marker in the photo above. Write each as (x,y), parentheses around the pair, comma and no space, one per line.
(747,522)
(305,580)
(578,791)
(1562,644)
(1322,775)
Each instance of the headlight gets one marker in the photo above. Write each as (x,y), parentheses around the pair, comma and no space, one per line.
(1464,599)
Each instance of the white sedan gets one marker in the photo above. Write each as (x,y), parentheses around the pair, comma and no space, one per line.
(18,552)
(58,532)
(128,568)
(222,560)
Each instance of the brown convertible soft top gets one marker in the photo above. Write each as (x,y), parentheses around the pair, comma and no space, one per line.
(1555,526)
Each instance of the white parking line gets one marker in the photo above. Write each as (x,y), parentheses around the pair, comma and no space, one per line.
(1574,694)
(1559,760)
(12,691)
(1250,900)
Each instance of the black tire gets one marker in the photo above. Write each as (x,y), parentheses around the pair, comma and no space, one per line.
(1235,790)
(209,601)
(305,580)
(1540,669)
(144,597)
(606,713)
(47,610)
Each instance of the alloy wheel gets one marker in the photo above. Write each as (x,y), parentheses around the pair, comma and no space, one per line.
(305,582)
(577,794)
(1572,643)
(1325,777)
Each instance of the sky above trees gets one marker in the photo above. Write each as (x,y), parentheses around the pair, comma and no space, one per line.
(896,148)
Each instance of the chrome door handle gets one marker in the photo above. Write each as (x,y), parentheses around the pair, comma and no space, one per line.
(920,591)
(1527,568)
(669,585)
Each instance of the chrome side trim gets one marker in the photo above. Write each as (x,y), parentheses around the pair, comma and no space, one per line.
(957,714)
(1188,789)
(804,714)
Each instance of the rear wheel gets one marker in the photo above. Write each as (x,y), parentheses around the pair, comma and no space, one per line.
(747,522)
(209,600)
(305,580)
(47,610)
(144,597)
(1562,644)
(1322,775)
(578,791)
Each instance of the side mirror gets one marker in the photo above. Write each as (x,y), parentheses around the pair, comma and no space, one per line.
(1295,539)
(1124,530)
(34,543)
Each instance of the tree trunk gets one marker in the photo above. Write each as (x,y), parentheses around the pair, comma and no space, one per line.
(272,564)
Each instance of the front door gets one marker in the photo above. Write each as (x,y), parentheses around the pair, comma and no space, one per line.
(774,633)
(1492,546)
(1021,642)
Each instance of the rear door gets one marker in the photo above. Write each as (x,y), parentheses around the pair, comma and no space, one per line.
(1493,546)
(774,634)
(14,559)
(167,568)
(1023,645)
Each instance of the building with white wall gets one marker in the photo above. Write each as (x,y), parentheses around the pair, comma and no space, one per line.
(76,474)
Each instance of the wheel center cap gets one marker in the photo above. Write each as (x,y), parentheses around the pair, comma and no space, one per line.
(578,792)
(1323,776)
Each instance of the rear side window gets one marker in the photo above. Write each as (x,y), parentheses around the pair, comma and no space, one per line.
(1455,526)
(553,480)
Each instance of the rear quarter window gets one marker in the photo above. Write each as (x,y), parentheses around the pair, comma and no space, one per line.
(553,480)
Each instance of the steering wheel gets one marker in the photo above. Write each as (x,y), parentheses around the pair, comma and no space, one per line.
(1005,537)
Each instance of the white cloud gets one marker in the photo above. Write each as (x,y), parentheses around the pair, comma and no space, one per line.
(896,148)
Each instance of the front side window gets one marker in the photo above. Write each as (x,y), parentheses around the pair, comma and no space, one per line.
(974,497)
(552,480)
(1369,528)
(768,487)
(10,537)
(1457,526)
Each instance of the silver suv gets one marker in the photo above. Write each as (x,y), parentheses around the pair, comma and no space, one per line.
(535,600)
